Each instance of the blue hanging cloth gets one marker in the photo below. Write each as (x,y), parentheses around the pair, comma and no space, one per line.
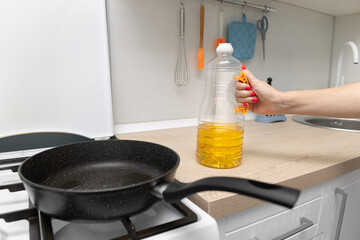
(242,36)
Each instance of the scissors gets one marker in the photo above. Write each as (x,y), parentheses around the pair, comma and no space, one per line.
(262,25)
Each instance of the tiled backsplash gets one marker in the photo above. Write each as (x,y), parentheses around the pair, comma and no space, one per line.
(144,43)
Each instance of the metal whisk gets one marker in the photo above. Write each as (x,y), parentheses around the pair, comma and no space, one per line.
(182,72)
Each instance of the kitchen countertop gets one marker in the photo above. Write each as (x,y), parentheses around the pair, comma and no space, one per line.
(286,153)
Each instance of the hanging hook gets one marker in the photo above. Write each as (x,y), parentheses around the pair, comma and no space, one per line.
(265,10)
(244,7)
(222,5)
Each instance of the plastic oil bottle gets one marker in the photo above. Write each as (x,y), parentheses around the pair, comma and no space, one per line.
(220,126)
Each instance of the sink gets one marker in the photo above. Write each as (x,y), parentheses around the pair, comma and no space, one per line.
(342,124)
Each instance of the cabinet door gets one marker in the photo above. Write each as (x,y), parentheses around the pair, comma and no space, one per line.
(350,220)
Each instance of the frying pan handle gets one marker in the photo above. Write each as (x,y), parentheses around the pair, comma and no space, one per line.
(277,194)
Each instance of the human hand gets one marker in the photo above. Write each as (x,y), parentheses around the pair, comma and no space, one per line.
(260,96)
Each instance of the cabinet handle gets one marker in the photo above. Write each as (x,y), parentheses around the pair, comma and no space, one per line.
(342,211)
(304,224)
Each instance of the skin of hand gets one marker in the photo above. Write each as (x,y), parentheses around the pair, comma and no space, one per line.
(343,101)
(262,98)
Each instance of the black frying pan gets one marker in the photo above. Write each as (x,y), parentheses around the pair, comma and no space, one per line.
(106,180)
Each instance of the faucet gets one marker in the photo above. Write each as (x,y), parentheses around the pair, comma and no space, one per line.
(339,80)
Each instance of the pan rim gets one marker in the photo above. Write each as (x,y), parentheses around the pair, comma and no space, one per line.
(153,181)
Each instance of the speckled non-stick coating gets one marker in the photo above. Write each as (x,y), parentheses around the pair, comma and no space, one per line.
(97,180)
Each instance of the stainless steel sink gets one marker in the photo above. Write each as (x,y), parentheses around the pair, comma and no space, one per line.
(342,124)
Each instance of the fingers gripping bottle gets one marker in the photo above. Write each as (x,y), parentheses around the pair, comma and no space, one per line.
(220,122)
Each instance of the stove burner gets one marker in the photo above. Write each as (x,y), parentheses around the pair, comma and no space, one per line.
(41,227)
(130,227)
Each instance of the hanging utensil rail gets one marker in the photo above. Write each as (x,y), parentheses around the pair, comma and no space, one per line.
(264,8)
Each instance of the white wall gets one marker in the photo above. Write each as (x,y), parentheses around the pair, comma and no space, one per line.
(346,29)
(144,42)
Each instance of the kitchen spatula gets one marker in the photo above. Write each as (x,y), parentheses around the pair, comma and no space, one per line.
(201,48)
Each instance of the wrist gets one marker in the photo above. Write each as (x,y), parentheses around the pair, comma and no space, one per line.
(284,103)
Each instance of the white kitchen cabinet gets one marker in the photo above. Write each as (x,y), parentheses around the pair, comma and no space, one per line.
(320,204)
(281,223)
(269,221)
(331,216)
(329,7)
(350,197)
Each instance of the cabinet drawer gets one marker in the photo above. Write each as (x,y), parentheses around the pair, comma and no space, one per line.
(279,224)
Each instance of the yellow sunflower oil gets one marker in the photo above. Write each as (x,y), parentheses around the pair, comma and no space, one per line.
(219,145)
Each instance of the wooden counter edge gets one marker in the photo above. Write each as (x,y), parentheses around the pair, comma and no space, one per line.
(236,203)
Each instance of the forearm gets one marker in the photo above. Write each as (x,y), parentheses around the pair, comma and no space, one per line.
(342,101)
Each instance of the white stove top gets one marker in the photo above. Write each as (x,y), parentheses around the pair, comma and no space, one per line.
(204,228)
(20,154)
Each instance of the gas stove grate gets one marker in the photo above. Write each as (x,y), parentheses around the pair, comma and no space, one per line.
(40,224)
